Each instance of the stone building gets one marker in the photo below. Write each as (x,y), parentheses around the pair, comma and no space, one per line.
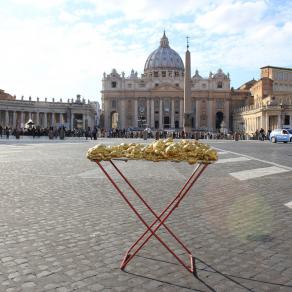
(156,98)
(269,105)
(72,114)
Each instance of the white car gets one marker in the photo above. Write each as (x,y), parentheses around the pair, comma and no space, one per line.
(281,135)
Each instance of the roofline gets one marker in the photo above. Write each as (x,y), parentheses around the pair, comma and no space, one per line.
(282,68)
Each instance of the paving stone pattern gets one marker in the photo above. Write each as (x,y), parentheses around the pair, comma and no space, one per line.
(64,228)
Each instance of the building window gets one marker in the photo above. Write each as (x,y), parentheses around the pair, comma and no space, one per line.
(114,84)
(219,84)
(163,73)
(287,120)
(177,85)
(156,84)
(176,74)
(169,73)
(155,73)
(219,104)
(129,85)
(142,84)
(114,103)
(204,85)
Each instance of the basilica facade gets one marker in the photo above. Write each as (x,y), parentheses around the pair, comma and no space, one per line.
(156,99)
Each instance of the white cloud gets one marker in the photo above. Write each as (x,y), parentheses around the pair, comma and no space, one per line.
(232,17)
(148,10)
(66,52)
(43,4)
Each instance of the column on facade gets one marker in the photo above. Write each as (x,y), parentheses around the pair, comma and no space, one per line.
(72,121)
(45,120)
(267,125)
(29,115)
(210,115)
(226,113)
(181,113)
(37,118)
(152,114)
(160,114)
(83,121)
(197,114)
(122,114)
(279,121)
(53,120)
(7,118)
(14,120)
(106,114)
(135,120)
(172,114)
(60,119)
(21,119)
(148,112)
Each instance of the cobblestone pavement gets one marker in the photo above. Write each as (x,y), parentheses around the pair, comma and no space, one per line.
(64,228)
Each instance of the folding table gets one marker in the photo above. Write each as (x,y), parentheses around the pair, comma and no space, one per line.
(160,219)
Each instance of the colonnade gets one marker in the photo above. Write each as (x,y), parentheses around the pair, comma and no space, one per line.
(15,119)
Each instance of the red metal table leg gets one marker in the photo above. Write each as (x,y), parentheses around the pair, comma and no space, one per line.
(172,205)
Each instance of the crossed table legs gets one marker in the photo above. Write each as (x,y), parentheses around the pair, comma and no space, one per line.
(161,218)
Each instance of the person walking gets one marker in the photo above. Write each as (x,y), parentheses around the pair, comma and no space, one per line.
(7,132)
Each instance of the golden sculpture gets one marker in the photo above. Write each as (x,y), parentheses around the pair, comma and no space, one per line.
(161,150)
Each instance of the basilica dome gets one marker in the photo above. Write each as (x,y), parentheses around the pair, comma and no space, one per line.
(164,58)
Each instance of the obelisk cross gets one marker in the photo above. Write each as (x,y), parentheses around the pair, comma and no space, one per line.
(187,37)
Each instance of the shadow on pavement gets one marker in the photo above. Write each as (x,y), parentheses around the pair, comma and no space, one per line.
(210,269)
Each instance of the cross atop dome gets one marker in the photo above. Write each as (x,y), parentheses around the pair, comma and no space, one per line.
(164,43)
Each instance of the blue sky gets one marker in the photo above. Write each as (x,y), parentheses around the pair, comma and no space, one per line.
(60,48)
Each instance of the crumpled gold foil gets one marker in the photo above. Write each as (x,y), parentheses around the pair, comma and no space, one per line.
(160,150)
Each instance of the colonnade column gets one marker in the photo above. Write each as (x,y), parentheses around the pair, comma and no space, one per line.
(72,121)
(197,114)
(37,118)
(61,119)
(152,114)
(14,120)
(172,114)
(45,120)
(226,113)
(148,113)
(83,121)
(21,120)
(210,115)
(7,118)
(160,114)
(53,121)
(29,115)
(135,121)
(181,113)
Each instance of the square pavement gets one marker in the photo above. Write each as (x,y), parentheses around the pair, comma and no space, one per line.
(64,228)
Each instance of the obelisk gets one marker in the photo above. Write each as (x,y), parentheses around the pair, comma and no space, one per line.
(187,92)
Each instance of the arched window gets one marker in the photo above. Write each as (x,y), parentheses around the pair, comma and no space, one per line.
(219,84)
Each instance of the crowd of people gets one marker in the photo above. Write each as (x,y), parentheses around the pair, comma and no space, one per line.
(94,133)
